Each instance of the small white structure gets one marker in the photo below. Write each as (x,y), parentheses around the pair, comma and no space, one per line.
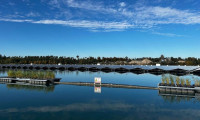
(157,64)
(98,64)
(97,80)
(59,64)
(31,63)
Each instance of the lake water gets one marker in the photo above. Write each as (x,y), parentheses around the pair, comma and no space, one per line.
(69,102)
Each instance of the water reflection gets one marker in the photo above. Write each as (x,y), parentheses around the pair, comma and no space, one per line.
(41,88)
(177,99)
(168,96)
(97,89)
(80,102)
(113,110)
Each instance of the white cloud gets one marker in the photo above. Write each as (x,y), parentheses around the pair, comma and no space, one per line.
(54,3)
(128,16)
(101,8)
(88,24)
(122,4)
(90,6)
(32,14)
(167,34)
(166,15)
(93,25)
(152,15)
(16,20)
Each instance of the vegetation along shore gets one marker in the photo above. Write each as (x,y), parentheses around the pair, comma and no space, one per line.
(101,60)
(31,74)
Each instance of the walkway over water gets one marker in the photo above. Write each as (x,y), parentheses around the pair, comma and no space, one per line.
(107,85)
(30,81)
(116,68)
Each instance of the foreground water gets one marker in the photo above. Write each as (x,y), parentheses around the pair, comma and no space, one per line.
(68,102)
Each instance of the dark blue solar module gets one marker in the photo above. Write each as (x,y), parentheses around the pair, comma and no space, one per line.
(113,67)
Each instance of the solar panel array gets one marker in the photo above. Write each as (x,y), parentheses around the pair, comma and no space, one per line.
(113,67)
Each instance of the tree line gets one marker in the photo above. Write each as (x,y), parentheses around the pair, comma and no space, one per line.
(94,60)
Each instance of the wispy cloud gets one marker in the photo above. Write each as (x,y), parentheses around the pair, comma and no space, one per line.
(93,25)
(167,15)
(16,20)
(140,15)
(98,16)
(122,4)
(88,24)
(91,6)
(167,34)
(32,14)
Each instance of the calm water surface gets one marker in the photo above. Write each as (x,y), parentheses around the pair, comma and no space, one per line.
(69,102)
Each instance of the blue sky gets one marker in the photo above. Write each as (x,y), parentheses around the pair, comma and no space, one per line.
(134,28)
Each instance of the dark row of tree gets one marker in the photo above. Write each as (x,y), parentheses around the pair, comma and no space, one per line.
(94,60)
